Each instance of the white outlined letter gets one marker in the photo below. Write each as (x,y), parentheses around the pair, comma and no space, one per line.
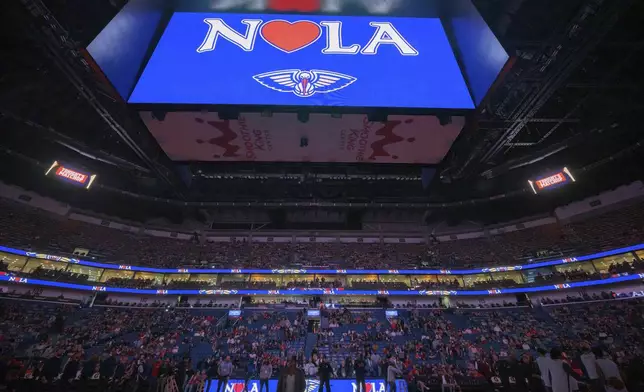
(386,33)
(217,27)
(334,40)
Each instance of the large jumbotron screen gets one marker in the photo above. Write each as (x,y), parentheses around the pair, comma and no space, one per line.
(201,77)
(303,60)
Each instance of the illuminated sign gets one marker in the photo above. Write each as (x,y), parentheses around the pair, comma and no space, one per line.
(312,385)
(71,176)
(313,313)
(391,313)
(637,293)
(234,313)
(296,60)
(552,181)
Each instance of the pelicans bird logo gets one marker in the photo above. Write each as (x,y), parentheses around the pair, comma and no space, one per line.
(304,83)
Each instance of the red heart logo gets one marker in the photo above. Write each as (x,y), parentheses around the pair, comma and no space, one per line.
(290,37)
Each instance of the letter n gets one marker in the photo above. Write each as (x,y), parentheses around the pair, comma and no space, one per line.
(217,27)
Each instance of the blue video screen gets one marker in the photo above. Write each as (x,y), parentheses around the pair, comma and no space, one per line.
(303,60)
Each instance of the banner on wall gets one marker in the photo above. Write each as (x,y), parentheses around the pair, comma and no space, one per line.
(199,136)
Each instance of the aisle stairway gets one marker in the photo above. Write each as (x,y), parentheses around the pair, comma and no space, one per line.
(311,340)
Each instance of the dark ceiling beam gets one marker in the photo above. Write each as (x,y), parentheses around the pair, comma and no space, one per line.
(606,80)
(605,86)
(73,144)
(563,68)
(532,120)
(55,42)
(518,45)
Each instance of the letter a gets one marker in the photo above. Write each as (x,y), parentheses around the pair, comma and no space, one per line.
(217,27)
(334,40)
(386,33)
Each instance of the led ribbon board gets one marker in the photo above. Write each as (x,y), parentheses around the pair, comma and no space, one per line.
(312,385)
(71,176)
(303,60)
(550,263)
(321,291)
(552,181)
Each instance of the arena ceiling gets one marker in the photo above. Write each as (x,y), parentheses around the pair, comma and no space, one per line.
(572,98)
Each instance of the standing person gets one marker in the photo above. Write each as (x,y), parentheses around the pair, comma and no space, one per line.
(384,366)
(52,367)
(250,373)
(211,372)
(348,367)
(589,363)
(265,372)
(310,370)
(375,362)
(392,372)
(359,368)
(543,362)
(523,372)
(291,378)
(561,373)
(609,373)
(324,373)
(224,370)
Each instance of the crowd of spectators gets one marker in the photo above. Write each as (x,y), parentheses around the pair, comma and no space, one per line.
(27,228)
(58,275)
(583,272)
(63,346)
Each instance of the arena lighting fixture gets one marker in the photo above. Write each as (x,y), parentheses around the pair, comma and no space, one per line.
(53,165)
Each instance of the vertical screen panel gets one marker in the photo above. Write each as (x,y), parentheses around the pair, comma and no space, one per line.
(120,48)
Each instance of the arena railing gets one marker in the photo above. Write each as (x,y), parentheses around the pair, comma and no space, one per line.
(304,271)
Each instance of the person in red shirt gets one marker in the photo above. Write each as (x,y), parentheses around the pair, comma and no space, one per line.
(155,368)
